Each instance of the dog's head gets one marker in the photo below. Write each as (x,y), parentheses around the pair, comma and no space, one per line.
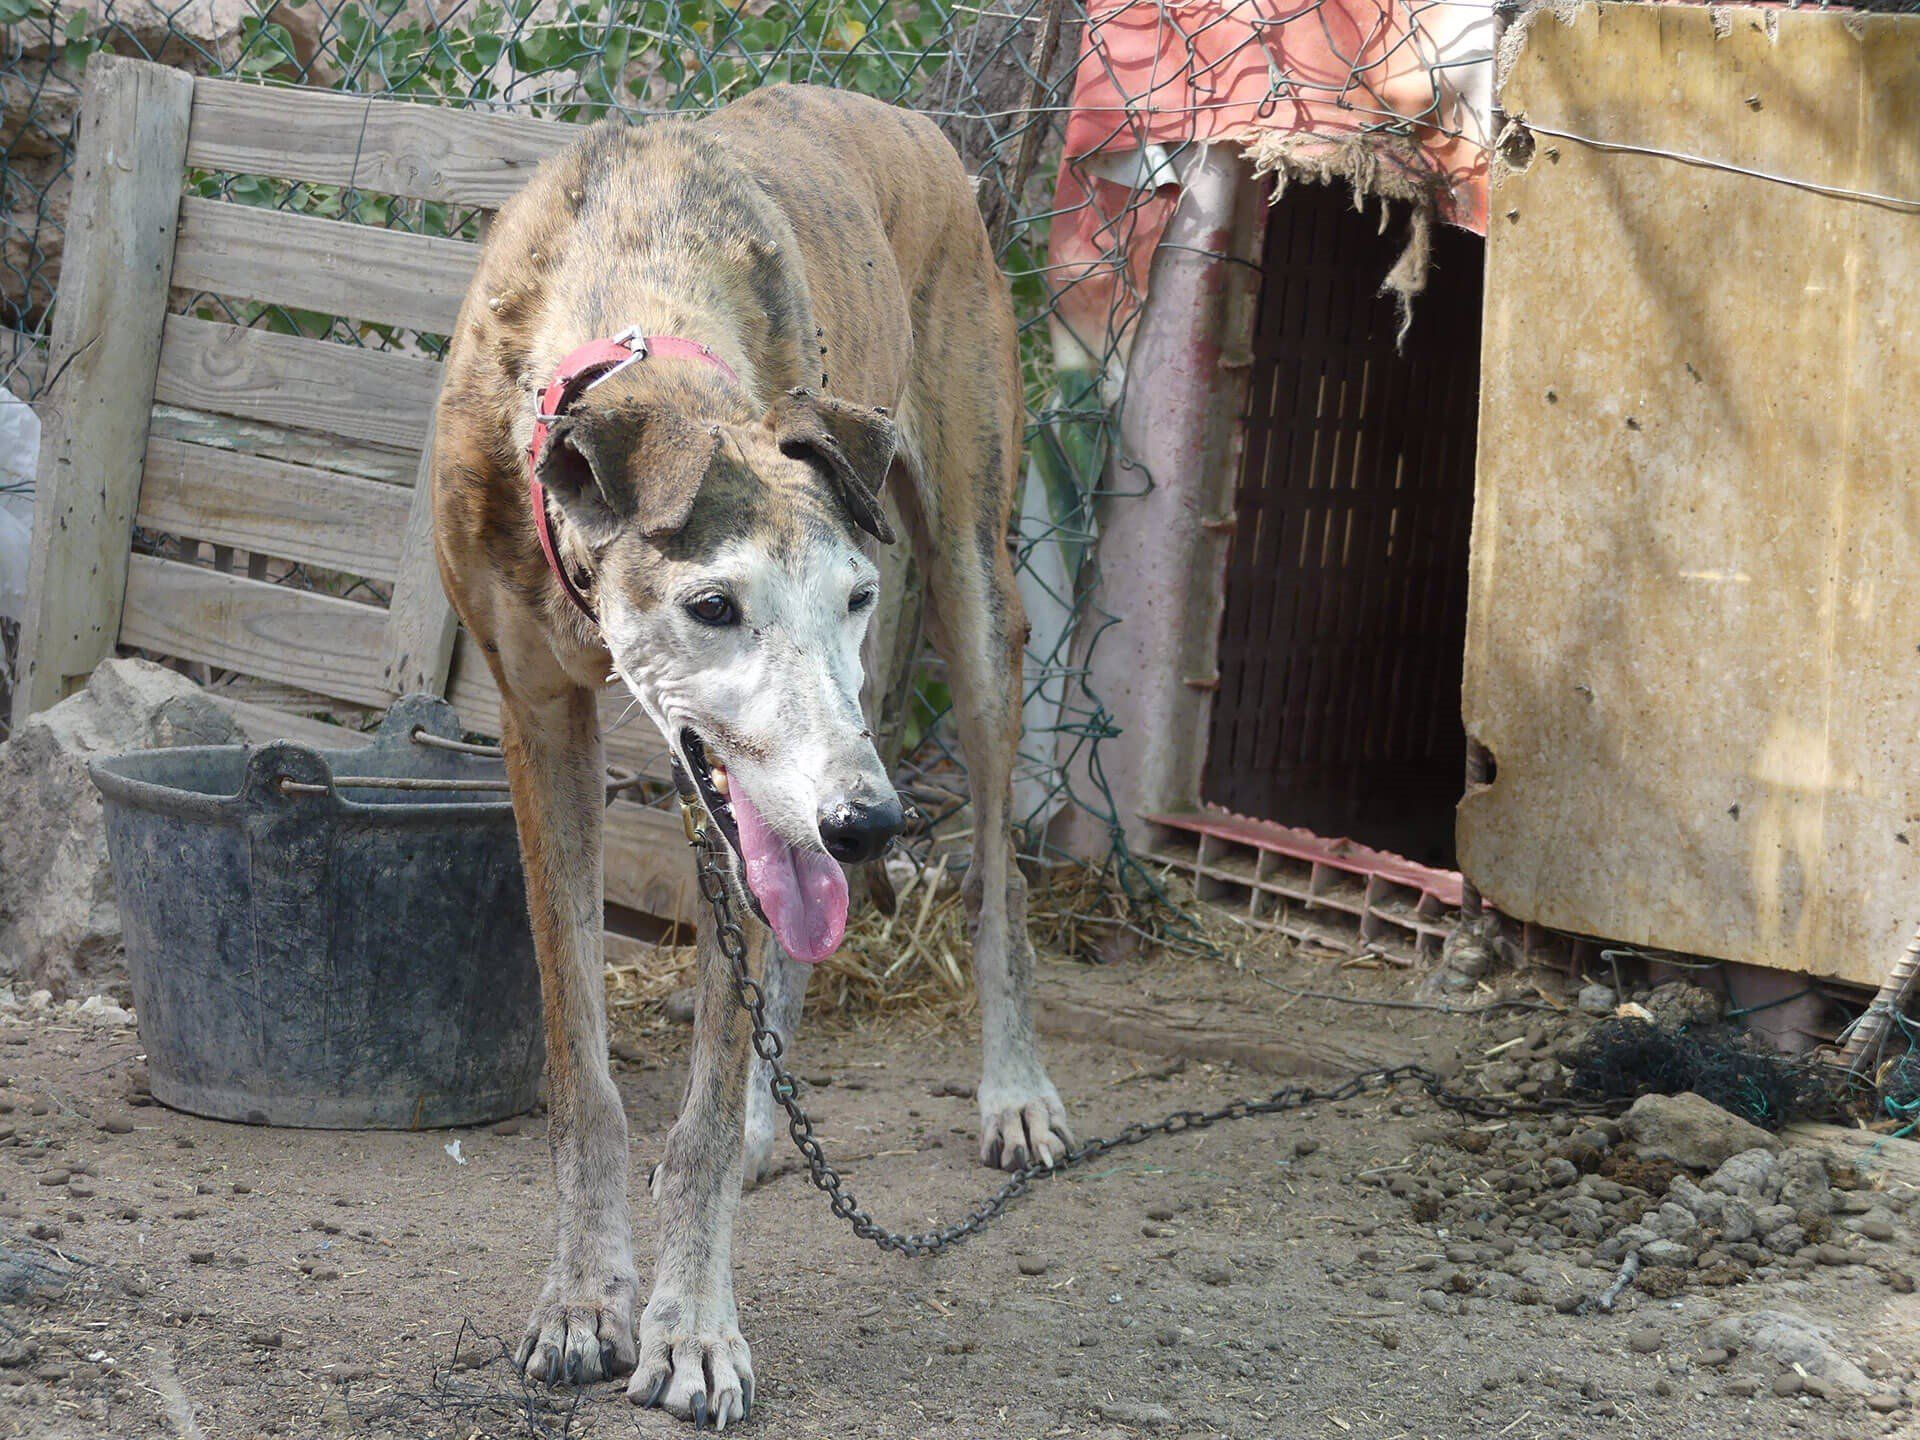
(733,595)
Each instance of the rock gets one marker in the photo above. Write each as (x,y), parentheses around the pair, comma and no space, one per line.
(1690,1131)
(1876,1227)
(1790,1339)
(1736,1221)
(1769,1218)
(1597,1000)
(1883,1403)
(59,925)
(1134,1415)
(1672,1221)
(679,1006)
(1801,1181)
(1786,1240)
(1748,1175)
(1032,1265)
(1787,1383)
(1644,1341)
(1678,1004)
(1667,1252)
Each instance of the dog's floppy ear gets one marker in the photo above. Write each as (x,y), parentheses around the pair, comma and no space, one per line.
(853,444)
(638,464)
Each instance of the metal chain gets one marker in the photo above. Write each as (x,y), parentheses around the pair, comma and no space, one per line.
(768,1045)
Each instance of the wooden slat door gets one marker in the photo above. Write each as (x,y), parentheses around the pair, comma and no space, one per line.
(1343,633)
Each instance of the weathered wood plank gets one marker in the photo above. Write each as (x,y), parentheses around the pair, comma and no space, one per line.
(285,380)
(390,147)
(245,252)
(128,166)
(317,642)
(647,864)
(421,623)
(293,512)
(1689,655)
(635,745)
(277,442)
(262,724)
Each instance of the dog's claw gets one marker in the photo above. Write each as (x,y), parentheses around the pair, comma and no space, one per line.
(697,1368)
(1022,1124)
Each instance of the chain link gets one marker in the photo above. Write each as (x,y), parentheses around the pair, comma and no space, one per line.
(785,1090)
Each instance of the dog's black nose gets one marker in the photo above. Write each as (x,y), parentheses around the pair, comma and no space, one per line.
(855,833)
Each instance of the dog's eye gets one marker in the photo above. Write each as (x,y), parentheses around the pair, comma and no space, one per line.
(861,599)
(714,609)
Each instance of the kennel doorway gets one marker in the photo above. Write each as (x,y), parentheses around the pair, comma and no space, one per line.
(1344,628)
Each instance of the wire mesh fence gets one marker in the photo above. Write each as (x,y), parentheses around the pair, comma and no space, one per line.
(1076,116)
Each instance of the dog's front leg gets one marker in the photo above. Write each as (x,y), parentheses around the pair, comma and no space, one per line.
(693,1360)
(582,1325)
(783,982)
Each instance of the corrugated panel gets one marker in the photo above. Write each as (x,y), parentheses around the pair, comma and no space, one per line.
(1345,615)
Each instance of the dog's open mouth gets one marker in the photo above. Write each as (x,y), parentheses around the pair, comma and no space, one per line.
(800,891)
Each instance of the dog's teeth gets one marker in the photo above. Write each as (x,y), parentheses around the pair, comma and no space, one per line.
(719,781)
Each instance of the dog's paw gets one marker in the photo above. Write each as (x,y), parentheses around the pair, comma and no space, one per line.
(1022,1120)
(580,1332)
(693,1363)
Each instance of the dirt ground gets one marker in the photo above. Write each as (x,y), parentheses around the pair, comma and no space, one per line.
(162,1275)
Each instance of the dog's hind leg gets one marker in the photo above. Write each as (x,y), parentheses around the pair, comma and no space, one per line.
(582,1325)
(693,1360)
(785,987)
(976,622)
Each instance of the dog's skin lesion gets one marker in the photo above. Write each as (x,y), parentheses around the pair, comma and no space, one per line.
(717,517)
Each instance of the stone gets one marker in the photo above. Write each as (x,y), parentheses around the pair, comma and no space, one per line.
(59,924)
(1644,1341)
(1876,1227)
(1678,1004)
(680,1005)
(1790,1339)
(1787,1240)
(1748,1175)
(1667,1252)
(1690,1131)
(1801,1178)
(1597,999)
(1735,1220)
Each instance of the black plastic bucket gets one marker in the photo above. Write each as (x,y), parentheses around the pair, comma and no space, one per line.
(339,958)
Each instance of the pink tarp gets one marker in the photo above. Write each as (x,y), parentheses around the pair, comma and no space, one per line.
(1373,92)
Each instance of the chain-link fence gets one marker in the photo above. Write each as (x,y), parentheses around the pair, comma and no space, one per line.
(1380,94)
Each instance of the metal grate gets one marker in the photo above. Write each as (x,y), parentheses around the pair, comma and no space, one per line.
(1344,628)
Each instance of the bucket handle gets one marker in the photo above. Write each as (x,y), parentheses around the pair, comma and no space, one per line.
(283,772)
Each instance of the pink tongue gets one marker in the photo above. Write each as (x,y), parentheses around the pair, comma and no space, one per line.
(803,892)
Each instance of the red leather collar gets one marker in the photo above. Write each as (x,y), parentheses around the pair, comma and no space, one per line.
(577,373)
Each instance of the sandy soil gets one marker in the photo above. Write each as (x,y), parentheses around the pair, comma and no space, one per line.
(162,1275)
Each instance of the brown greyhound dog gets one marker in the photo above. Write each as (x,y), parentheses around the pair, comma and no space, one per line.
(692,358)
